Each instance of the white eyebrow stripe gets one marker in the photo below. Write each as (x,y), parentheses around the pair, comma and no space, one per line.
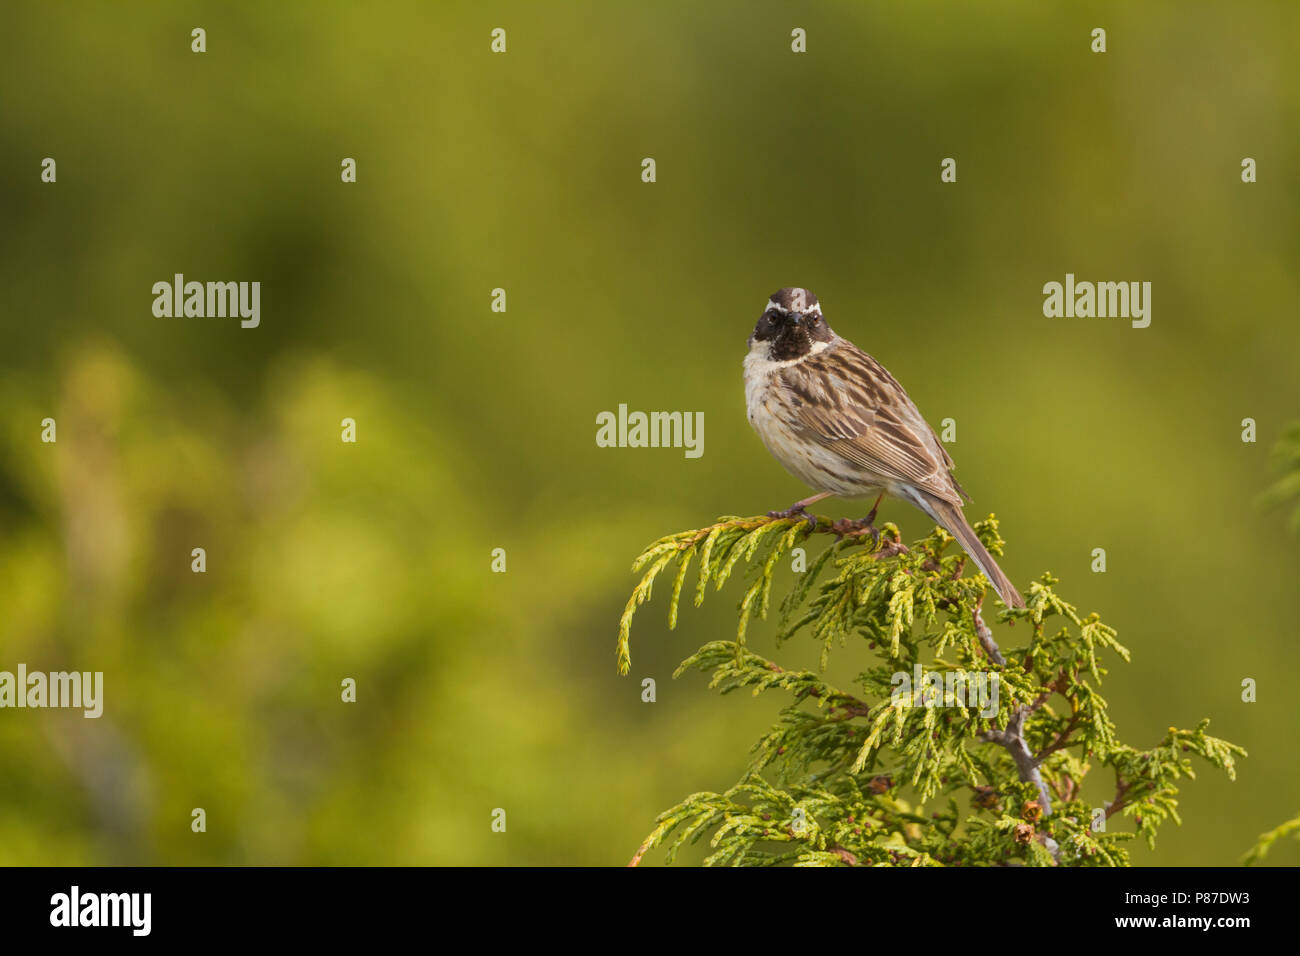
(773,304)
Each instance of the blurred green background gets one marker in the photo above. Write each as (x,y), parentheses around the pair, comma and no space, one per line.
(476,429)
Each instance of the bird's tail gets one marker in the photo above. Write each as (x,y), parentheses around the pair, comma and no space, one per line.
(954,522)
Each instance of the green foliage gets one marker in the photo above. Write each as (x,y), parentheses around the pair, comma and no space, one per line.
(878,773)
(1285,492)
(1266,840)
(1286,460)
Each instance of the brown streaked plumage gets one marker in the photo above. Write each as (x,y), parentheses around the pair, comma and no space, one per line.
(839,422)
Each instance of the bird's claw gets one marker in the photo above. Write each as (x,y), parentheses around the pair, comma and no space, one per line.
(847,527)
(796,512)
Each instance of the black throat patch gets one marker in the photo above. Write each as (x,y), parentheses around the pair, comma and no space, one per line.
(793,342)
(796,340)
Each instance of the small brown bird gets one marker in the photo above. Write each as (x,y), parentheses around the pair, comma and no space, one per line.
(839,422)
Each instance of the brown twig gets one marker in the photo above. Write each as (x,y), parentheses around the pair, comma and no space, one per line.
(1121,797)
(985,634)
(1061,741)
(1013,740)
(641,851)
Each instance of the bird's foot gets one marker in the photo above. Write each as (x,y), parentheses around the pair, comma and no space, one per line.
(849,528)
(885,543)
(797,510)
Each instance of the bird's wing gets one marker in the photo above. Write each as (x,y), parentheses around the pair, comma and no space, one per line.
(845,400)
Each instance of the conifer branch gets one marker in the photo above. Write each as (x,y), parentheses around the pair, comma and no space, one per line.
(1286,461)
(850,776)
(986,638)
(1013,740)
(1266,840)
(1285,491)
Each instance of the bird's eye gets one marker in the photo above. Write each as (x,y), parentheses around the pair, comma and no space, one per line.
(767,325)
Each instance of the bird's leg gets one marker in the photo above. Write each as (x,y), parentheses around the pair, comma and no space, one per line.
(800,509)
(869,522)
(847,526)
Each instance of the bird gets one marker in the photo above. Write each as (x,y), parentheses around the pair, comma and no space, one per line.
(839,422)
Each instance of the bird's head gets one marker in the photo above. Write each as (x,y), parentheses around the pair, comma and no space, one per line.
(790,326)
